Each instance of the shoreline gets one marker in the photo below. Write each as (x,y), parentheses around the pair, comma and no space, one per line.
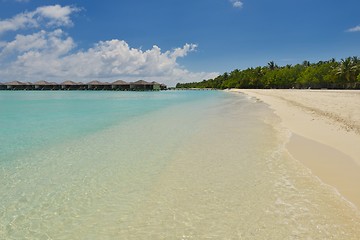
(325,127)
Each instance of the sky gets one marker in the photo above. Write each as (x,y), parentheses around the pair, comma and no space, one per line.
(168,41)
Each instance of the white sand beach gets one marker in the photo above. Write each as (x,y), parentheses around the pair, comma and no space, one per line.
(325,133)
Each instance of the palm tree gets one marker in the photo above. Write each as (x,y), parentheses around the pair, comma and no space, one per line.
(356,66)
(355,59)
(348,68)
(344,69)
(306,63)
(272,65)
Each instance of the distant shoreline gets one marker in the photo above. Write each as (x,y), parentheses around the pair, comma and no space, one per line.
(331,74)
(325,127)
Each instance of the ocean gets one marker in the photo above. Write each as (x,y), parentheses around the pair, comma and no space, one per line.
(156,165)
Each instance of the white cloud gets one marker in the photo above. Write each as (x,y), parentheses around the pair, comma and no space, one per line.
(54,15)
(19,21)
(354,29)
(237,3)
(52,56)
(57,15)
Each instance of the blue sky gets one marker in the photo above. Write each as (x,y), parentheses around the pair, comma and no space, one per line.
(168,40)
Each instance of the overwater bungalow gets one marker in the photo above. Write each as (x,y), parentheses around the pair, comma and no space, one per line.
(71,85)
(44,85)
(17,85)
(2,86)
(156,85)
(163,86)
(96,85)
(120,85)
(141,85)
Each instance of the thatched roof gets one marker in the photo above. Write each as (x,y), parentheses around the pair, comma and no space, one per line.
(155,83)
(120,82)
(97,83)
(15,83)
(43,83)
(69,83)
(141,82)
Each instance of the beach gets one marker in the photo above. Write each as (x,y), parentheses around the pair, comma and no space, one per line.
(325,133)
(161,165)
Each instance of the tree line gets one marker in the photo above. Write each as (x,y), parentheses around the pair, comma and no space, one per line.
(332,74)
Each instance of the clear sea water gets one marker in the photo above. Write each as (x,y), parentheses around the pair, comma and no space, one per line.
(156,165)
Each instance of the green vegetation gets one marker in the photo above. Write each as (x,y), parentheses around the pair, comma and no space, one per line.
(324,74)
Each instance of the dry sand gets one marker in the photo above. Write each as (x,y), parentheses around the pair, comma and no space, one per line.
(325,127)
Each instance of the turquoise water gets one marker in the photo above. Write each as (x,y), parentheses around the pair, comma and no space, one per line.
(36,120)
(156,165)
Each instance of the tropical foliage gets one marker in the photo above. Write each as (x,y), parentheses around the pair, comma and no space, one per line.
(331,74)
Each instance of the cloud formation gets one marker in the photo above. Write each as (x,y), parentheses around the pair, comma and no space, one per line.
(52,55)
(237,3)
(54,15)
(354,29)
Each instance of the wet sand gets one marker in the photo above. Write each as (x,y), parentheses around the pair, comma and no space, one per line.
(325,133)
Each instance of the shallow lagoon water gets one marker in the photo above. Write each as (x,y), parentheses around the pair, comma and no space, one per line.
(157,165)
